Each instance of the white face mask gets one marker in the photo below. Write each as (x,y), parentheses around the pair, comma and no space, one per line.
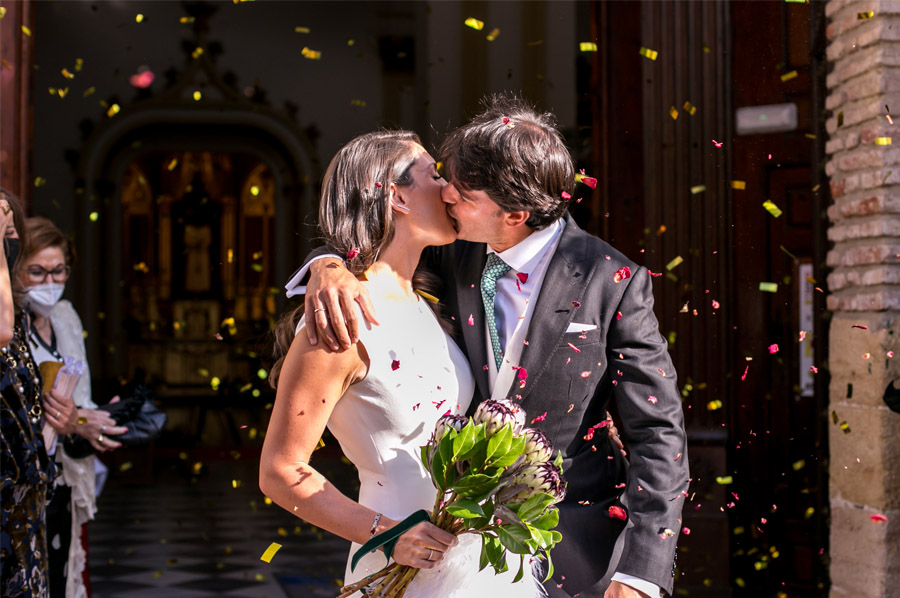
(41,298)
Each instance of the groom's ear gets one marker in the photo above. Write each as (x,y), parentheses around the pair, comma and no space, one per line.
(514,219)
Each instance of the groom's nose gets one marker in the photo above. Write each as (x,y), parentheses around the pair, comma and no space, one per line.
(449,193)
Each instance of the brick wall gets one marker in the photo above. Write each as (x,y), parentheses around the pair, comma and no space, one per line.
(864,290)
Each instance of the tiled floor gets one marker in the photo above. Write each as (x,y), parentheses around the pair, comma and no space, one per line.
(197,537)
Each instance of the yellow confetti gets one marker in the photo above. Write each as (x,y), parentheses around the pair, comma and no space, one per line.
(301,29)
(724,480)
(186,20)
(88,91)
(26,30)
(2,11)
(215,382)
(39,181)
(62,92)
(714,405)
(798,465)
(270,552)
(94,216)
(474,23)
(865,15)
(141,267)
(311,54)
(113,110)
(360,103)
(67,74)
(139,18)
(769,287)
(173,163)
(741,185)
(698,189)
(267,500)
(740,582)
(648,53)
(258,576)
(882,141)
(197,96)
(845,427)
(674,263)
(690,108)
(772,209)
(197,467)
(283,532)
(587,47)
(253,433)
(788,76)
(79,62)
(197,53)
(254,190)
(809,135)
(236,483)
(493,34)
(126,466)
(673,113)
(809,513)
(262,374)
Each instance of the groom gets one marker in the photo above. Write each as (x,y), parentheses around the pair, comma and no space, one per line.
(563,324)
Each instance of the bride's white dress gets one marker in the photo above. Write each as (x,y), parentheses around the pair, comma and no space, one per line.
(416,374)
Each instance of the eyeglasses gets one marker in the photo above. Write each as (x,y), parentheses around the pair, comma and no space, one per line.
(38,275)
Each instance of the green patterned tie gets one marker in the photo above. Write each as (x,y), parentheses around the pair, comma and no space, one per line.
(493,270)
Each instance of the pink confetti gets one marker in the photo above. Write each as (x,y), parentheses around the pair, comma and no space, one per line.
(621,274)
(142,80)
(718,144)
(878,518)
(618,513)
(522,374)
(395,365)
(773,349)
(590,432)
(377,185)
(890,353)
(860,326)
(540,418)
(574,348)
(585,374)
(715,304)
(565,195)
(416,406)
(352,253)
(744,376)
(618,316)
(588,180)
(654,274)
(653,399)
(813,369)
(802,335)
(686,531)
(471,320)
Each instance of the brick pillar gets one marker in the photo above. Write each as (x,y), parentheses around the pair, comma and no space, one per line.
(864,290)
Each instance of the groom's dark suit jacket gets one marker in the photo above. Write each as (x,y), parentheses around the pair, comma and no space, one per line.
(623,361)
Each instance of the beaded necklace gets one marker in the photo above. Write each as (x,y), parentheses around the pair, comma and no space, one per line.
(20,343)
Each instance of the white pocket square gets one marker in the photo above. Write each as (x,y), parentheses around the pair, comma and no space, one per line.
(576,327)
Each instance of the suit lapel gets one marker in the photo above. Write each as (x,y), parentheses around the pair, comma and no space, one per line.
(554,310)
(468,290)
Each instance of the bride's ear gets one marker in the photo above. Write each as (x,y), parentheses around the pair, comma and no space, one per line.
(397,201)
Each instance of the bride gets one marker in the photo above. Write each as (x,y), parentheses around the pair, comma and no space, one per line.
(381,207)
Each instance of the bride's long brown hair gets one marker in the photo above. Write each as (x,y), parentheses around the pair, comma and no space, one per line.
(355,218)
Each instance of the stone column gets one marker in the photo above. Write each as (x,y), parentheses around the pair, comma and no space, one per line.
(864,295)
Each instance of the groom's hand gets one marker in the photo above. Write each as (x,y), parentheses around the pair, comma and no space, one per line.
(620,590)
(330,295)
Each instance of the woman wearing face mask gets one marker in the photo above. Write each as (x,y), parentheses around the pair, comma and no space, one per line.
(56,333)
(26,470)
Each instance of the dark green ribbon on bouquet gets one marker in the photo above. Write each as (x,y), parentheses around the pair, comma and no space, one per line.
(388,539)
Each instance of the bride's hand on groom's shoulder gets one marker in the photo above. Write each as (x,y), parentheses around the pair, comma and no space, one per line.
(423,546)
(330,294)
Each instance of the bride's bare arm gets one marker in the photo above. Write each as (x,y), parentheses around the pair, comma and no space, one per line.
(313,378)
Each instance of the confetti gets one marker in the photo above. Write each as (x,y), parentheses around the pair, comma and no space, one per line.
(865,15)
(673,112)
(771,208)
(689,108)
(359,103)
(475,24)
(352,253)
(311,54)
(698,189)
(648,53)
(788,76)
(587,47)
(715,304)
(724,480)
(574,348)
(94,216)
(26,30)
(301,30)
(878,518)
(866,355)
(840,118)
(471,320)
(653,399)
(88,91)
(882,141)
(2,11)
(197,96)
(395,365)
(113,110)
(565,195)
(186,20)
(618,513)
(769,287)
(714,405)
(270,552)
(674,263)
(739,185)
(621,274)
(587,180)
(585,374)
(576,304)
(813,369)
(493,34)
(142,80)
(773,349)
(126,466)
(744,375)
(540,418)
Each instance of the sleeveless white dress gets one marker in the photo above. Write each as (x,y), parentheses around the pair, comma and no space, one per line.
(417,373)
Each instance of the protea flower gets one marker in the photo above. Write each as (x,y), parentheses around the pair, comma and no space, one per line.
(496,414)
(537,448)
(531,479)
(448,421)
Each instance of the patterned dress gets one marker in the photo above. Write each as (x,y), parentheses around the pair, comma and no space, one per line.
(26,474)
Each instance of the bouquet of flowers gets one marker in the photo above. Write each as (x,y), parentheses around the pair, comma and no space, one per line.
(494,478)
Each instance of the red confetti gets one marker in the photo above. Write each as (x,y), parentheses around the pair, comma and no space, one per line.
(773,349)
(416,406)
(471,320)
(590,433)
(618,513)
(522,374)
(505,120)
(574,348)
(377,185)
(813,369)
(744,376)
(565,195)
(540,418)
(621,274)
(654,274)
(576,304)
(860,326)
(523,276)
(618,316)
(352,253)
(589,181)
(878,518)
(395,365)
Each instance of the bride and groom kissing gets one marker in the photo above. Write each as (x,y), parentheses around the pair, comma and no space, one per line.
(532,310)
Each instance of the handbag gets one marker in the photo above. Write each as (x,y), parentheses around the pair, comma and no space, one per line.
(137,412)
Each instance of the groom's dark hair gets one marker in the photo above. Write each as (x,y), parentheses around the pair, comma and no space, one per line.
(516,155)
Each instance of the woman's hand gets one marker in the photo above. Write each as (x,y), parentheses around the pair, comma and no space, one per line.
(61,413)
(97,427)
(330,296)
(423,546)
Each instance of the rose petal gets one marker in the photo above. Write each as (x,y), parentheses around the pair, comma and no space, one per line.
(621,274)
(618,513)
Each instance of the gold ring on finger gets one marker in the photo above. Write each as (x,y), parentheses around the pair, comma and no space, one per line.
(430,554)
(100,438)
(318,309)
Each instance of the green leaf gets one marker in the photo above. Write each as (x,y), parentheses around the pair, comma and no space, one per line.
(464,442)
(558,461)
(448,473)
(521,572)
(514,538)
(498,445)
(423,450)
(507,515)
(557,536)
(495,553)
(437,471)
(535,505)
(516,447)
(474,485)
(544,539)
(549,568)
(483,560)
(547,521)
(467,509)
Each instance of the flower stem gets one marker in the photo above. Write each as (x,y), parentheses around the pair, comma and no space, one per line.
(349,589)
